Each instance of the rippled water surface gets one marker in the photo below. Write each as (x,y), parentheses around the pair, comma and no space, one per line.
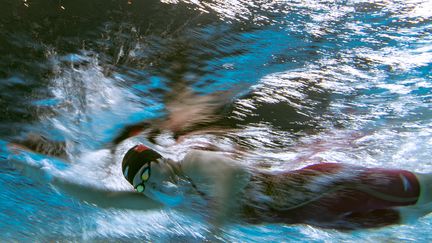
(300,82)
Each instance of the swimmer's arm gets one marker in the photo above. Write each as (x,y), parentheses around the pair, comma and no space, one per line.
(131,131)
(106,198)
(49,172)
(224,176)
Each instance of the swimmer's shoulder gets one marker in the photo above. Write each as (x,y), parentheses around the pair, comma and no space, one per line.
(201,163)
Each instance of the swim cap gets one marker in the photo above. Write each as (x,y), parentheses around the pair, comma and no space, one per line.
(135,159)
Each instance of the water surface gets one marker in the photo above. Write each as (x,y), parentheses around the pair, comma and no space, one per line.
(301,82)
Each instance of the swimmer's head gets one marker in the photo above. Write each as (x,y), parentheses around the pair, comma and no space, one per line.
(143,166)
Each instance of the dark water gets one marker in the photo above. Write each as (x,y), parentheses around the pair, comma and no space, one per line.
(299,81)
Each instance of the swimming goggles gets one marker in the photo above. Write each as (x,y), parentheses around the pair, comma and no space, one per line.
(145,176)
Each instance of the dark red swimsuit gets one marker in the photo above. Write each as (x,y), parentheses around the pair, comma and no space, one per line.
(331,195)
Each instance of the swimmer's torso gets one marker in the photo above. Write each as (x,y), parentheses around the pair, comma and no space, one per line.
(330,195)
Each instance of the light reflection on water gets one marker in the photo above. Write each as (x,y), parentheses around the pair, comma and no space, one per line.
(303,82)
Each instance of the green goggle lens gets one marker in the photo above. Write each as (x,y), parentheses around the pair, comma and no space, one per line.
(140,188)
(145,175)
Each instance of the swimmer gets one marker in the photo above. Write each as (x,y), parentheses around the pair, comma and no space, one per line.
(327,195)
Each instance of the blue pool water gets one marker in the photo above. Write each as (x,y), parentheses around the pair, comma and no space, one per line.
(302,82)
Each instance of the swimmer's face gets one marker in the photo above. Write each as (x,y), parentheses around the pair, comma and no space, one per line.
(152,175)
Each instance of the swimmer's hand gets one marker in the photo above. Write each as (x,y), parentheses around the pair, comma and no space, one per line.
(42,145)
(33,165)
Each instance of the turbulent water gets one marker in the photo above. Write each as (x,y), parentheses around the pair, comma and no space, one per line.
(300,81)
